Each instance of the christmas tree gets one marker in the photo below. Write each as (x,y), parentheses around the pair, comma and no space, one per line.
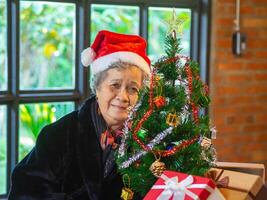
(168,128)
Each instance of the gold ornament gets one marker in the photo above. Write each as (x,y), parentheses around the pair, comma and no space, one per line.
(157,168)
(205,142)
(126,193)
(158,77)
(172,119)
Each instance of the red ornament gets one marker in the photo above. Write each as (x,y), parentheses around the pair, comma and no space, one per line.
(137,163)
(159,101)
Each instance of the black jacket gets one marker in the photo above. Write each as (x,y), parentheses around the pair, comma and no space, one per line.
(66,163)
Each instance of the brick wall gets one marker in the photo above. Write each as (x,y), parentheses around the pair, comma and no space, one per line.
(238,85)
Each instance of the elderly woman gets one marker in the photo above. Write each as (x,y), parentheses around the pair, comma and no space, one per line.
(74,157)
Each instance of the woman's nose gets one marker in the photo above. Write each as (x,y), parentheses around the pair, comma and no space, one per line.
(123,95)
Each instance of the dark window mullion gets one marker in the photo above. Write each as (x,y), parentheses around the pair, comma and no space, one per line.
(82,42)
(49,97)
(143,21)
(13,85)
(204,28)
(194,35)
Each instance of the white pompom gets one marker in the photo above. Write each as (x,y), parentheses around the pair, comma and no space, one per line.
(87,56)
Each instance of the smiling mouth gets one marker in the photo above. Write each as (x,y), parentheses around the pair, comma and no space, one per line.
(120,107)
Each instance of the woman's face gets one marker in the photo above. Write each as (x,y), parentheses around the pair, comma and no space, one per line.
(117,92)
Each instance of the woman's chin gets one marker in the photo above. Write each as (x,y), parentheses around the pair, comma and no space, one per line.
(120,116)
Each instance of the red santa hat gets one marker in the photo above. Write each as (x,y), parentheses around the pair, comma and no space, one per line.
(110,47)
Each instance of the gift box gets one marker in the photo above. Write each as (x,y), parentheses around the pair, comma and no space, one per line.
(250,168)
(238,186)
(173,185)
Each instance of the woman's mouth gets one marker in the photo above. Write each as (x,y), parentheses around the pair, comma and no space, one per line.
(120,107)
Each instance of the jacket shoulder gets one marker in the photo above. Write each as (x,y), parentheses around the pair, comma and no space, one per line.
(56,137)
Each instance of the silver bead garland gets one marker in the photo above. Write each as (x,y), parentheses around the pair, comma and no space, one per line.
(152,143)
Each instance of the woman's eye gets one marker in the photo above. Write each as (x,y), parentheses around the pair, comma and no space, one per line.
(133,90)
(115,86)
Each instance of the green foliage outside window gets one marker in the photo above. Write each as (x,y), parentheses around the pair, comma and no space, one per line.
(3,149)
(33,117)
(3,78)
(46,45)
(122,19)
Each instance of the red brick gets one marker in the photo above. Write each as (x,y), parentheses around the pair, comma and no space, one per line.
(230,66)
(261,54)
(261,10)
(251,108)
(256,66)
(227,150)
(255,33)
(224,9)
(225,22)
(241,139)
(239,78)
(224,33)
(261,98)
(255,128)
(259,156)
(255,23)
(260,77)
(253,147)
(218,79)
(262,118)
(246,10)
(260,137)
(257,44)
(229,90)
(225,130)
(223,54)
(242,158)
(239,119)
(219,142)
(226,2)
(241,100)
(219,101)
(259,2)
(228,110)
(226,43)
(257,89)
(219,121)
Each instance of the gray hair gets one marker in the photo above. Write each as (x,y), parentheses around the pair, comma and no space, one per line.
(98,78)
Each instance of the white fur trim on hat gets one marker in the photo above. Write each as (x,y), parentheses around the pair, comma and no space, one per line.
(102,63)
(87,56)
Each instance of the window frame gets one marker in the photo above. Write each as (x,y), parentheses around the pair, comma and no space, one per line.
(13,97)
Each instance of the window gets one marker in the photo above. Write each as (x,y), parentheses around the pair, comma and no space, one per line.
(41,77)
(122,19)
(46,45)
(157,28)
(33,117)
(3,149)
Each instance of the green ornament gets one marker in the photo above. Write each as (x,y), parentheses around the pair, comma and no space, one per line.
(142,133)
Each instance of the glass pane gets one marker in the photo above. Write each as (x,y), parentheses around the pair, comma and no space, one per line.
(33,117)
(158,27)
(3,147)
(46,45)
(122,19)
(3,68)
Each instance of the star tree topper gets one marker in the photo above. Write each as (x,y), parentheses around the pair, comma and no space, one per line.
(175,24)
